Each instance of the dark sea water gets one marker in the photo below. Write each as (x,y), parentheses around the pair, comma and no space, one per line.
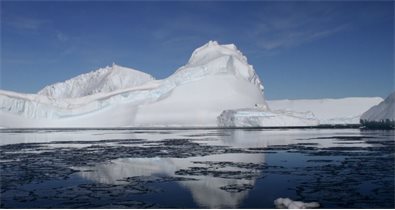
(231,168)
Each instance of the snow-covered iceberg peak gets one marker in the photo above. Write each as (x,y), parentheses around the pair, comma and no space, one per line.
(213,58)
(213,50)
(103,80)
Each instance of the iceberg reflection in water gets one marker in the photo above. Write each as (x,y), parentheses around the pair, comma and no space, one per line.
(224,168)
(206,190)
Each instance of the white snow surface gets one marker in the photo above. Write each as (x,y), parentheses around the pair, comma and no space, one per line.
(329,111)
(255,117)
(216,78)
(383,111)
(103,80)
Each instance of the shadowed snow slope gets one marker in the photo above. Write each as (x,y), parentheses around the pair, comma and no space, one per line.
(329,111)
(383,111)
(216,78)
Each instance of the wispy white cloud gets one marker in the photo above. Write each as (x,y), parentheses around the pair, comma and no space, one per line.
(24,23)
(287,25)
(294,37)
(180,31)
(270,28)
(62,36)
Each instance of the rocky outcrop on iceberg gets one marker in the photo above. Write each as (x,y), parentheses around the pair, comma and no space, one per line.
(216,78)
(381,115)
(341,111)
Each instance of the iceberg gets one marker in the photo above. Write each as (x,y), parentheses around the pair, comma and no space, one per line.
(216,78)
(217,87)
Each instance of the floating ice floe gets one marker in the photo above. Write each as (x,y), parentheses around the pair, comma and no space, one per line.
(286,203)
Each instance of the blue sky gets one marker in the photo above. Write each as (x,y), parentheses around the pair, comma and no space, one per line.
(299,49)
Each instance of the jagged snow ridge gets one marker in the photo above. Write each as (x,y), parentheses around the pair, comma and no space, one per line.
(216,78)
(383,111)
(329,111)
(103,80)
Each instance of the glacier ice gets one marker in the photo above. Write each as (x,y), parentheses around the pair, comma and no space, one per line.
(340,111)
(255,117)
(302,112)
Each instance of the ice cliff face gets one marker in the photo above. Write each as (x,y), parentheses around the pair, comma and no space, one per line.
(255,117)
(103,80)
(383,111)
(216,78)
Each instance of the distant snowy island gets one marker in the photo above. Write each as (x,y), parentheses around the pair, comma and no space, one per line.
(216,88)
(381,115)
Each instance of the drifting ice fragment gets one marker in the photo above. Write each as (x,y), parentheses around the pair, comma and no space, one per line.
(283,203)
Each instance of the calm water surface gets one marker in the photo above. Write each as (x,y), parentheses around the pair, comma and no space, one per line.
(339,168)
